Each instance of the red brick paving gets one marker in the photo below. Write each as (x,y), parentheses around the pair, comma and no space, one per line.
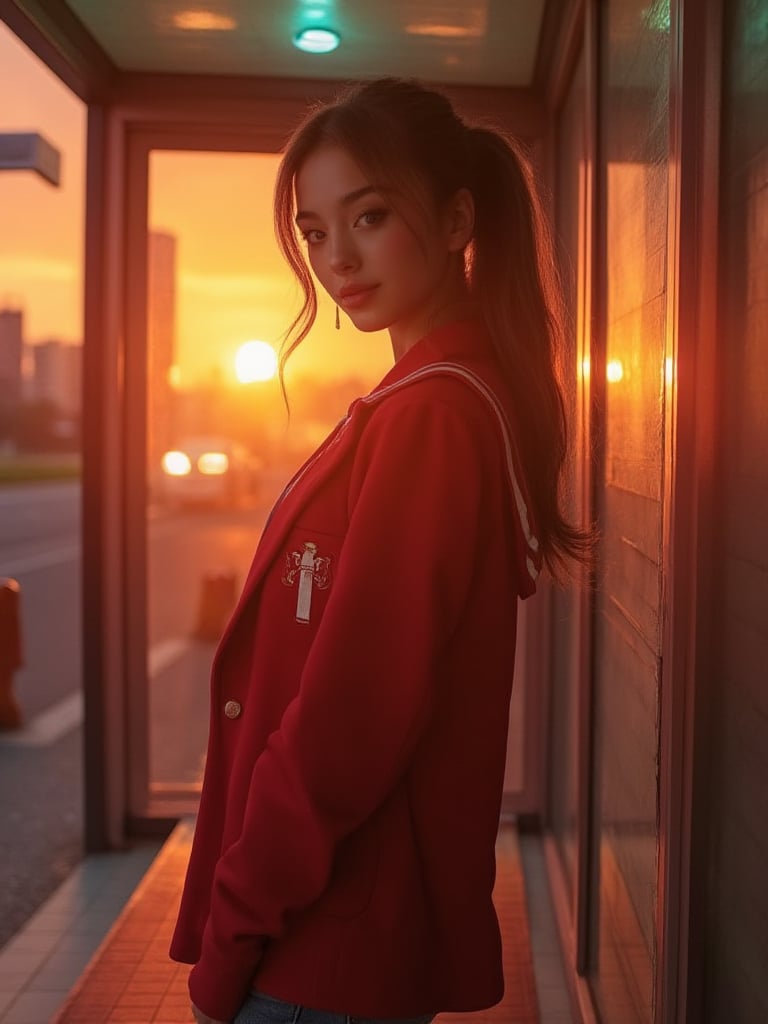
(130,979)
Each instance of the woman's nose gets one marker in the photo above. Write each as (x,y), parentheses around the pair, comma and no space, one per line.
(344,256)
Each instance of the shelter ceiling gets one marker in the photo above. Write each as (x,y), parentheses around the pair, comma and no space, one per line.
(463,42)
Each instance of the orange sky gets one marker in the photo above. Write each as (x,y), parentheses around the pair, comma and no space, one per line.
(232,285)
(41,239)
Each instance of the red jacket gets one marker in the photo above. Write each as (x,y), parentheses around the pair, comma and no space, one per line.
(344,852)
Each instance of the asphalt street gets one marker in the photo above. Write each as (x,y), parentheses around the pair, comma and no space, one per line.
(41,807)
(42,824)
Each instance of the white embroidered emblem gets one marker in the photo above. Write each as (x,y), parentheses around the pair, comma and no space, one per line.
(312,569)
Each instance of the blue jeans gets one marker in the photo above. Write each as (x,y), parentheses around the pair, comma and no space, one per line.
(259,1008)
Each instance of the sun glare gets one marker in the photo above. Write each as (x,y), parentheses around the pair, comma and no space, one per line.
(254,361)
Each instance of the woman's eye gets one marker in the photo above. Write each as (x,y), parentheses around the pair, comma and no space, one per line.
(312,236)
(371,217)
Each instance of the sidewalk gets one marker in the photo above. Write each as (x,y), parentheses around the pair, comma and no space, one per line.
(47,973)
(42,962)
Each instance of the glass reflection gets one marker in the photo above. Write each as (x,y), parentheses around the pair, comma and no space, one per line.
(634,171)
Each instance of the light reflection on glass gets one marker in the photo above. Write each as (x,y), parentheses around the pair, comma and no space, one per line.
(669,370)
(614,371)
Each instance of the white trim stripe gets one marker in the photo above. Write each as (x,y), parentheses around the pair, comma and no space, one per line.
(471,378)
(481,387)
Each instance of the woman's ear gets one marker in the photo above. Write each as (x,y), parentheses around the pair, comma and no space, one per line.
(460,220)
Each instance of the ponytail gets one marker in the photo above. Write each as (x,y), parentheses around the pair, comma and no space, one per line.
(513,273)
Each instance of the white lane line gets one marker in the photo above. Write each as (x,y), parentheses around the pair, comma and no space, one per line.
(43,560)
(67,714)
(34,494)
(48,726)
(165,653)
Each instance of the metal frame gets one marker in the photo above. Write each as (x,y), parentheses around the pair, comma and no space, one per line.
(580,30)
(690,525)
(103,490)
(593,348)
(178,123)
(51,30)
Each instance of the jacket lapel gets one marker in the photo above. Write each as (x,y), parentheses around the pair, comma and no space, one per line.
(285,513)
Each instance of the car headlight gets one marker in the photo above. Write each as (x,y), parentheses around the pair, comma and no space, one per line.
(213,463)
(176,464)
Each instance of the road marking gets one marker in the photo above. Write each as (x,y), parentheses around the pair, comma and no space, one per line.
(44,560)
(29,494)
(165,653)
(67,714)
(48,726)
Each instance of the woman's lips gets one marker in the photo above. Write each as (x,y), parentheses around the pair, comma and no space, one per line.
(352,298)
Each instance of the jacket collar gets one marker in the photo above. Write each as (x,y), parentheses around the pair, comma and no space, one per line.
(463,341)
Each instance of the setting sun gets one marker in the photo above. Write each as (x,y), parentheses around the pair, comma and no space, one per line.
(255,360)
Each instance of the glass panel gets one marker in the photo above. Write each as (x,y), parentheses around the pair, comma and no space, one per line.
(564,644)
(634,171)
(219,299)
(737,937)
(41,331)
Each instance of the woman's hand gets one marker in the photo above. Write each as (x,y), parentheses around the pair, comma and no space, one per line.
(201,1018)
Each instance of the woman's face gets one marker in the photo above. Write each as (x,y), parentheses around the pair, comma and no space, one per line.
(366,256)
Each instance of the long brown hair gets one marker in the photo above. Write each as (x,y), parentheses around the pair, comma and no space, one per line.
(410,140)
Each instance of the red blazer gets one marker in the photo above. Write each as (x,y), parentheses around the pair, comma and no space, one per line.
(344,852)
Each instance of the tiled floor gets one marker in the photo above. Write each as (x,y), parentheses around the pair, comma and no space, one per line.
(132,981)
(43,961)
(551,982)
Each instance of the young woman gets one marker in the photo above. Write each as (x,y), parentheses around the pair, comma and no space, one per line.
(343,860)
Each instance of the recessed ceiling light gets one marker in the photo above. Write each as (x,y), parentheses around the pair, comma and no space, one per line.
(444,31)
(204,21)
(470,23)
(316,40)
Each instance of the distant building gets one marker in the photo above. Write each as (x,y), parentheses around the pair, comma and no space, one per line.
(57,370)
(161,343)
(11,349)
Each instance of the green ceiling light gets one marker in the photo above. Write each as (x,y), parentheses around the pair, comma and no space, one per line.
(316,40)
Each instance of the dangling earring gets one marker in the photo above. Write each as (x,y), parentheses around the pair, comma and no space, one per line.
(338,324)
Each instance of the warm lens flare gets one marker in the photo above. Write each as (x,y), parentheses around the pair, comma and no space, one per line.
(255,360)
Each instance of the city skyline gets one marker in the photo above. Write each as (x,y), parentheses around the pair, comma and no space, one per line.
(48,368)
(232,284)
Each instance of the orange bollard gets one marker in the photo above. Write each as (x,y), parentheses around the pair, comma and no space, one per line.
(218,594)
(10,652)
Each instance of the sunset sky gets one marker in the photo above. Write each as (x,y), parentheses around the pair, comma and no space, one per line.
(232,286)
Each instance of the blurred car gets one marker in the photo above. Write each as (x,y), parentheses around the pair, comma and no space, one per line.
(208,471)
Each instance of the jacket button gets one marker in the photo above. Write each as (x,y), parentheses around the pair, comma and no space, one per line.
(232,709)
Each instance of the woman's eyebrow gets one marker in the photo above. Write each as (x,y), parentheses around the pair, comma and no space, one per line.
(350,197)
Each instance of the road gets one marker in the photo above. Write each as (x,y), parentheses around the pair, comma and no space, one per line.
(41,767)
